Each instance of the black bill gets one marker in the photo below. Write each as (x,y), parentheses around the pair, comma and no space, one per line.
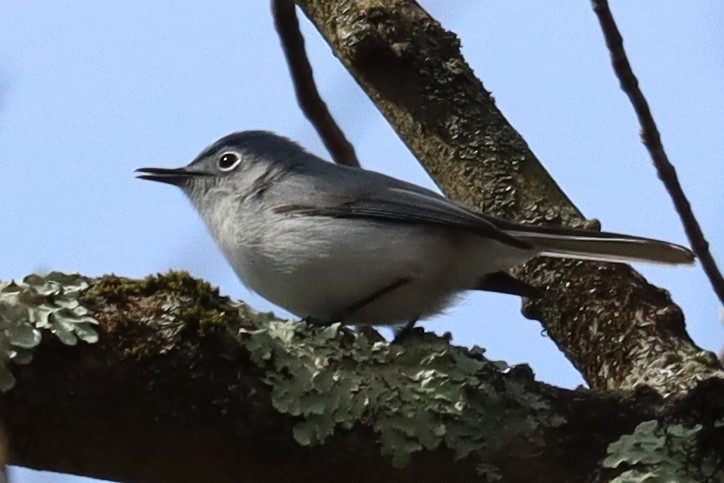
(174,176)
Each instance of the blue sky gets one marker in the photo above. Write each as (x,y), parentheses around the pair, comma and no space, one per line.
(91,90)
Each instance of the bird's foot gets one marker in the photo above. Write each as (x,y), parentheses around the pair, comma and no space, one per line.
(404,332)
(316,322)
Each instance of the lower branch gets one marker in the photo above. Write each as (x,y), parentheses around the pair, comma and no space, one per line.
(184,386)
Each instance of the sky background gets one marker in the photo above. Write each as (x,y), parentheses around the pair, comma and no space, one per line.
(90,90)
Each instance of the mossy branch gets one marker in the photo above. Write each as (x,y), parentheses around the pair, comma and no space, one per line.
(185,385)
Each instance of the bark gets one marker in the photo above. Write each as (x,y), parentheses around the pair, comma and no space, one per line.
(184,386)
(414,72)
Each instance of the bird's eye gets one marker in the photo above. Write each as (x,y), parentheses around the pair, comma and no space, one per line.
(228,161)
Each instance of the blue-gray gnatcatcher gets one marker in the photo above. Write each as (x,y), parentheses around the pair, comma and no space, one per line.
(332,243)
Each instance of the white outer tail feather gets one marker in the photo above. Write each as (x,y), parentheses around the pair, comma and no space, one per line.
(605,247)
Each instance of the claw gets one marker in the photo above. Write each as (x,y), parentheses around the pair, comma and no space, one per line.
(315,322)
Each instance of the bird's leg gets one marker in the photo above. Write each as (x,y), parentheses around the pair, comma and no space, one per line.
(316,322)
(404,332)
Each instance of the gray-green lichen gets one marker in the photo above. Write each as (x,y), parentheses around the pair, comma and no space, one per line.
(36,305)
(416,395)
(663,454)
(675,372)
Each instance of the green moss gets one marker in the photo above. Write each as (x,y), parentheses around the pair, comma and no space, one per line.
(117,289)
(192,301)
(416,396)
(158,310)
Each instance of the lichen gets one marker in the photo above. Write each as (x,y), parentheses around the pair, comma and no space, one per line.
(38,305)
(416,395)
(660,453)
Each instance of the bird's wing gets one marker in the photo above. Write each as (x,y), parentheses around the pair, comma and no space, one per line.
(356,193)
(394,200)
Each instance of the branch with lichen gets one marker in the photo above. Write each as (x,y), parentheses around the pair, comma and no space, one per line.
(183,384)
(413,70)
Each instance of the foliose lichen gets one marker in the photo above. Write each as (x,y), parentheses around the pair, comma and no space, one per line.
(660,453)
(416,395)
(38,305)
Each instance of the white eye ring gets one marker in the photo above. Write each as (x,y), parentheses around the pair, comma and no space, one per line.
(228,161)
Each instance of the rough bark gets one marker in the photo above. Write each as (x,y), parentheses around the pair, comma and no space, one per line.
(184,386)
(414,72)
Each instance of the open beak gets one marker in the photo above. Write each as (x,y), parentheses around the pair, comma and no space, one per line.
(175,176)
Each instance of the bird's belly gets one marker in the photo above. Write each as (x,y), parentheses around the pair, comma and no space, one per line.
(356,271)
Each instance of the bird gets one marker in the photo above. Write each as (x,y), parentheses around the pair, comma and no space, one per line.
(332,243)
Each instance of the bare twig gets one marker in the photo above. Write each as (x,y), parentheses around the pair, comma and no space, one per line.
(287,26)
(652,140)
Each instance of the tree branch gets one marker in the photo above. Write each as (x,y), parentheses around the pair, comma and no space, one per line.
(652,140)
(185,386)
(413,70)
(287,26)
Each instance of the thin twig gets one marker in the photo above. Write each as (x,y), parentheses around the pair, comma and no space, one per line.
(287,25)
(652,140)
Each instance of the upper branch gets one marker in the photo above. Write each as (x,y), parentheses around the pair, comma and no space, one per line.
(413,70)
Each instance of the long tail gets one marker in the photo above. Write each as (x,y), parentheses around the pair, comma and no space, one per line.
(601,246)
